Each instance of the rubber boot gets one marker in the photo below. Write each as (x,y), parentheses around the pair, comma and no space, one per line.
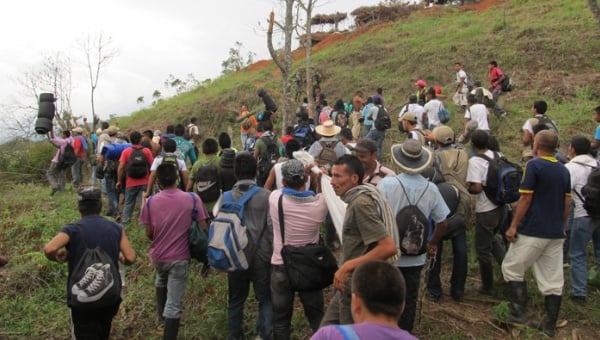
(552,304)
(487,278)
(161,300)
(517,299)
(171,329)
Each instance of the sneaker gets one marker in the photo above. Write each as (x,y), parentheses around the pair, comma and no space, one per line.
(86,280)
(100,285)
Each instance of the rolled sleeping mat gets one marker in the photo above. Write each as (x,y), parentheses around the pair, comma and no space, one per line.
(113,152)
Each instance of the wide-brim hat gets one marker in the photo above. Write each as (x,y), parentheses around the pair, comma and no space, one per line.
(412,157)
(328,129)
(78,130)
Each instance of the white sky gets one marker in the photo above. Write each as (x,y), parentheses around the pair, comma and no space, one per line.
(154,38)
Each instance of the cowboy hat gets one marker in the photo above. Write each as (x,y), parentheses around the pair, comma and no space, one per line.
(412,157)
(328,129)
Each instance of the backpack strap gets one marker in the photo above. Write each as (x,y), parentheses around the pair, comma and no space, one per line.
(347,331)
(280,212)
(406,195)
(194,209)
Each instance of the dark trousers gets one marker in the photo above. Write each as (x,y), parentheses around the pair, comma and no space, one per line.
(459,267)
(283,296)
(412,277)
(93,324)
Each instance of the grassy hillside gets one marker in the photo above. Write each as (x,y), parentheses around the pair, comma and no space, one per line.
(550,48)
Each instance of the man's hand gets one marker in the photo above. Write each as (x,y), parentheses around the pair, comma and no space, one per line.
(432,249)
(62,255)
(340,277)
(118,185)
(511,234)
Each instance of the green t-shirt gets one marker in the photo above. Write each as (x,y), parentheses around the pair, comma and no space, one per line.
(205,160)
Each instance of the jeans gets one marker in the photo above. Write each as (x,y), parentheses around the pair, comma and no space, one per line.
(132,195)
(497,109)
(56,177)
(244,137)
(412,277)
(173,276)
(112,195)
(77,172)
(283,295)
(238,282)
(378,137)
(583,230)
(459,268)
(93,324)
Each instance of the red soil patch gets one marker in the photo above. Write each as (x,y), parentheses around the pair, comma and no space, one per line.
(481,6)
(259,65)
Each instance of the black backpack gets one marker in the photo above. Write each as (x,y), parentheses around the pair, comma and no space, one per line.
(267,158)
(226,168)
(207,183)
(383,121)
(95,281)
(413,226)
(503,179)
(548,122)
(506,84)
(590,193)
(137,165)
(67,157)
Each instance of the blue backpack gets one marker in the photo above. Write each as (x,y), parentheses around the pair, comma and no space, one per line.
(228,236)
(503,180)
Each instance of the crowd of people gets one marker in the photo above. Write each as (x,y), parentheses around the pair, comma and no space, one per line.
(391,219)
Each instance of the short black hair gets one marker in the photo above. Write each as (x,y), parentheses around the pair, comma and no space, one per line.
(105,125)
(539,127)
(289,130)
(244,166)
(381,287)
(493,63)
(471,99)
(432,93)
(597,110)
(224,140)
(135,137)
(267,125)
(353,165)
(170,129)
(167,175)
(540,106)
(581,145)
(89,207)
(379,90)
(169,145)
(369,100)
(479,139)
(179,130)
(291,146)
(377,100)
(66,133)
(346,133)
(193,120)
(210,146)
(148,133)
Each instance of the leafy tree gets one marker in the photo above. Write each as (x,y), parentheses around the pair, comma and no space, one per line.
(236,62)
(140,100)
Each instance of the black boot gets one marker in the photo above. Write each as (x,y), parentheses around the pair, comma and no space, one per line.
(161,300)
(517,298)
(487,278)
(171,329)
(552,304)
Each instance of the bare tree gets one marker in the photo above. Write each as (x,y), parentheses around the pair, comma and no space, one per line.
(98,52)
(307,6)
(285,65)
(595,10)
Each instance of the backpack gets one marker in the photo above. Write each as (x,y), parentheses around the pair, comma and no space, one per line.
(327,156)
(590,193)
(383,121)
(226,169)
(137,165)
(506,84)
(413,226)
(227,234)
(547,122)
(170,158)
(484,97)
(267,158)
(247,124)
(250,141)
(207,183)
(503,180)
(67,157)
(444,114)
(305,135)
(469,82)
(95,281)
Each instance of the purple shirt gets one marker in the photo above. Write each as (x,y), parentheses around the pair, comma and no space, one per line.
(169,213)
(364,330)
(61,142)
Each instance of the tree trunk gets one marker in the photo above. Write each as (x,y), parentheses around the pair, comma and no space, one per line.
(595,10)
(309,74)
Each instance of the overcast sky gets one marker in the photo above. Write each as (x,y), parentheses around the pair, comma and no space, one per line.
(154,38)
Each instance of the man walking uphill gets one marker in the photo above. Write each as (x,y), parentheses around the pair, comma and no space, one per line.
(56,172)
(537,233)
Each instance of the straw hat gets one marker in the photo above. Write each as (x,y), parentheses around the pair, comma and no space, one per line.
(328,129)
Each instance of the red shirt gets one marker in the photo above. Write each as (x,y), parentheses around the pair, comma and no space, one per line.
(80,152)
(495,74)
(286,139)
(134,182)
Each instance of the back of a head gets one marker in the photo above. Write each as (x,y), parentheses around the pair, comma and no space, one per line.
(477,83)
(169,145)
(539,127)
(170,129)
(224,140)
(148,133)
(479,139)
(89,201)
(547,141)
(291,146)
(210,146)
(381,288)
(379,91)
(346,133)
(540,107)
(193,120)
(267,125)
(167,175)
(377,100)
(179,130)
(581,145)
(412,98)
(339,105)
(471,99)
(105,125)
(431,92)
(369,100)
(244,166)
(493,63)
(135,137)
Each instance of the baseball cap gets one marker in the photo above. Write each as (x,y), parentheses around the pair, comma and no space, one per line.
(409,116)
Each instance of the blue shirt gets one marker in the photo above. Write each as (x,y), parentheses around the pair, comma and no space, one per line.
(549,182)
(597,135)
(365,113)
(431,204)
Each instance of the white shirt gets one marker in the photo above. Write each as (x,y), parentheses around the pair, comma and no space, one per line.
(416,109)
(478,113)
(432,108)
(462,74)
(579,175)
(159,159)
(477,173)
